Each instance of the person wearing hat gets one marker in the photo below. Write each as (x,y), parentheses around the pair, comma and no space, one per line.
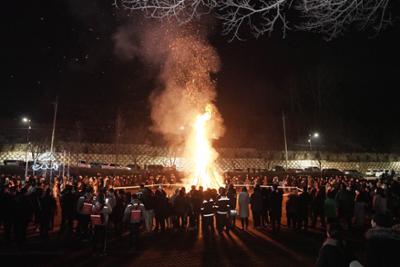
(222,207)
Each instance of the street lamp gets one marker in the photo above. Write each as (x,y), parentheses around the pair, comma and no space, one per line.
(310,138)
(27,121)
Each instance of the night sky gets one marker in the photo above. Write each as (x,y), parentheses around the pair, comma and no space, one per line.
(345,89)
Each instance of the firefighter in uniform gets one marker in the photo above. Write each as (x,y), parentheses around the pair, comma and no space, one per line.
(222,206)
(207,213)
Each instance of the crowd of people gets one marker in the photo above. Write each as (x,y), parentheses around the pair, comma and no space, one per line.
(93,208)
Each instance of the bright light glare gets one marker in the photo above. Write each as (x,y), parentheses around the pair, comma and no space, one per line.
(316,135)
(203,155)
(25,120)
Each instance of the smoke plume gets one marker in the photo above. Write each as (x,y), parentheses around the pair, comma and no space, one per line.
(186,62)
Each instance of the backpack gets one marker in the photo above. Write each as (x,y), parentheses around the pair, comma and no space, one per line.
(87,208)
(136,214)
(97,218)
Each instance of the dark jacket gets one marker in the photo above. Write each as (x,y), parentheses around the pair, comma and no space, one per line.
(382,247)
(256,201)
(181,205)
(161,205)
(276,203)
(222,205)
(207,208)
(332,254)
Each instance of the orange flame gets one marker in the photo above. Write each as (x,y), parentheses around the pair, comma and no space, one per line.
(202,154)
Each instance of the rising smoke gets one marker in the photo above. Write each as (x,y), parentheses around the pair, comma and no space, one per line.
(186,61)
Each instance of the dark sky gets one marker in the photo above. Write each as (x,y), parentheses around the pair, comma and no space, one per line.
(346,89)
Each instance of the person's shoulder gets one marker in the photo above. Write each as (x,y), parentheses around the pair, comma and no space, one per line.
(382,234)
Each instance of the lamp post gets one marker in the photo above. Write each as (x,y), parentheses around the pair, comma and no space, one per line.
(284,138)
(310,138)
(52,141)
(27,121)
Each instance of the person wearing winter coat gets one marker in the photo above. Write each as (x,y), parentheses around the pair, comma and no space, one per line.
(222,208)
(383,243)
(244,201)
(330,207)
(148,202)
(83,209)
(333,252)
(160,209)
(133,216)
(359,210)
(207,213)
(276,197)
(317,206)
(256,201)
(232,195)
(345,202)
(47,209)
(67,202)
(100,216)
(181,208)
(22,213)
(265,217)
(292,206)
(379,202)
(304,204)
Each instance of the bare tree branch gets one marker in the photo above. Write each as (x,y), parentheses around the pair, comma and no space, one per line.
(182,10)
(235,13)
(332,17)
(327,17)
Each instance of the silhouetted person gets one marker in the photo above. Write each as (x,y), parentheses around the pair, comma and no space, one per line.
(256,201)
(244,201)
(222,210)
(292,206)
(67,202)
(133,216)
(181,207)
(47,209)
(383,243)
(304,202)
(23,212)
(160,209)
(276,207)
(333,252)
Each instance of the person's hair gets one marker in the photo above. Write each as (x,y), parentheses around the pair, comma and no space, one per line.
(134,196)
(382,220)
(334,230)
(244,189)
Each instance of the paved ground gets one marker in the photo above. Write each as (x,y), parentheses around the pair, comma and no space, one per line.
(183,248)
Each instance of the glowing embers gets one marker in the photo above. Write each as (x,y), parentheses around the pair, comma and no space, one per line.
(201,153)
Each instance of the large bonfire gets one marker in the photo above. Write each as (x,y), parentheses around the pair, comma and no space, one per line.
(201,153)
(183,106)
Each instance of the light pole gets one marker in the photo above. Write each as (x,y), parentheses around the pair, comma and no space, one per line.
(52,141)
(27,121)
(310,138)
(284,138)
